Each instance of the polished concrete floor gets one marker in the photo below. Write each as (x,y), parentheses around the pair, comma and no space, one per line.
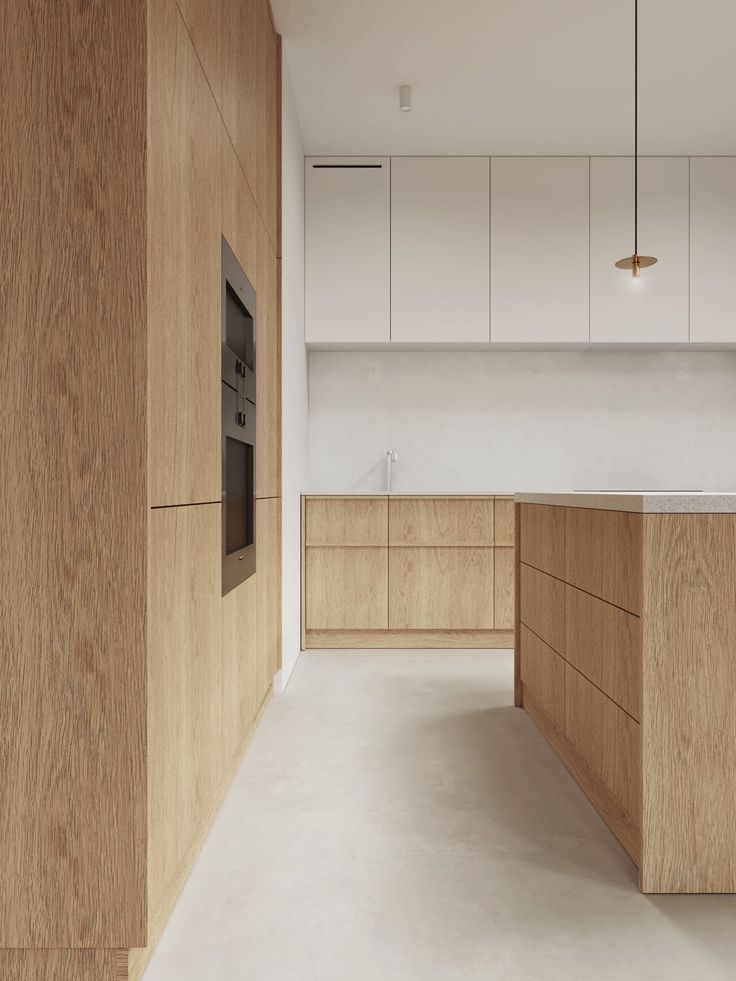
(396,819)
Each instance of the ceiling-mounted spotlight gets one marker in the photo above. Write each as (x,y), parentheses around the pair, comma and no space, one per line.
(405,98)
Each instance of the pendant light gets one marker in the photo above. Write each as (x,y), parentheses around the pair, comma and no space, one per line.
(635,262)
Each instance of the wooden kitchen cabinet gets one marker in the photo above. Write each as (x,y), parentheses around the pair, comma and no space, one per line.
(539,249)
(346,588)
(653,308)
(439,249)
(441,588)
(712,250)
(347,250)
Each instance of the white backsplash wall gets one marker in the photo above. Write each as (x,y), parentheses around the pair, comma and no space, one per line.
(490,421)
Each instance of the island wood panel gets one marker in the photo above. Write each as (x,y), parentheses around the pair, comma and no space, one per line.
(441,521)
(268,372)
(689,637)
(542,538)
(268,537)
(184,226)
(504,514)
(503,586)
(64,965)
(607,739)
(441,588)
(185,727)
(72,487)
(543,676)
(346,588)
(604,643)
(346,521)
(542,605)
(603,554)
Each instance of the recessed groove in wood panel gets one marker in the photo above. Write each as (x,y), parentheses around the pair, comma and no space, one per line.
(542,606)
(543,676)
(441,521)
(503,586)
(689,683)
(604,643)
(603,554)
(346,521)
(441,588)
(542,538)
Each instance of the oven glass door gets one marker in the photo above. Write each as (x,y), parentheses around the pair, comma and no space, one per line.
(238,489)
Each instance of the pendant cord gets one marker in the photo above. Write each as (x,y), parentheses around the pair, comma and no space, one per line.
(636,127)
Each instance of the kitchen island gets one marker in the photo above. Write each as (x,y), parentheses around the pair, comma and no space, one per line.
(626,662)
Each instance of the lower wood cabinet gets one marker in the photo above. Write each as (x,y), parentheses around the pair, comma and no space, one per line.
(414,571)
(543,676)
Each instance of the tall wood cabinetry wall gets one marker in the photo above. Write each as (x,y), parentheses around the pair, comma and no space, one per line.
(140,133)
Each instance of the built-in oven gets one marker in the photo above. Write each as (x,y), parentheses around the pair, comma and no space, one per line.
(238,423)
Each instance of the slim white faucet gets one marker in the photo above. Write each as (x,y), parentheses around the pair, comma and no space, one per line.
(391,457)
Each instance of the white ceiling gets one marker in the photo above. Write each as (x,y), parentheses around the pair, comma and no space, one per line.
(511,76)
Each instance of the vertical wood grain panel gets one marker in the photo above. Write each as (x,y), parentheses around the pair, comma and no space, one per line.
(503,588)
(542,605)
(72,482)
(64,965)
(268,586)
(441,521)
(603,554)
(346,521)
(183,268)
(543,677)
(440,588)
(504,520)
(268,372)
(241,690)
(689,716)
(346,588)
(542,538)
(184,686)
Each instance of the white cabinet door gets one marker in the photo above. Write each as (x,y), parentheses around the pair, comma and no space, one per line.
(347,250)
(653,308)
(539,250)
(713,250)
(439,249)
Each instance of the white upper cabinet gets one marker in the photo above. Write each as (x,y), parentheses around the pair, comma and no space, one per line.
(654,308)
(539,250)
(713,250)
(347,250)
(439,249)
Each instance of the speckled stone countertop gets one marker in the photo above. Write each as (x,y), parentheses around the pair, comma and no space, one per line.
(643,502)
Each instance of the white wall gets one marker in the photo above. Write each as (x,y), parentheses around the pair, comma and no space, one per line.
(294,374)
(488,421)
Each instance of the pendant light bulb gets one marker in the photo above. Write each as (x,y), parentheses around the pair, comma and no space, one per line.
(636,268)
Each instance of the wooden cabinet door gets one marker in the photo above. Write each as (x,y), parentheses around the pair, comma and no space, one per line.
(539,249)
(503,588)
(441,588)
(712,249)
(653,308)
(543,677)
(346,588)
(439,249)
(346,521)
(441,521)
(603,555)
(347,249)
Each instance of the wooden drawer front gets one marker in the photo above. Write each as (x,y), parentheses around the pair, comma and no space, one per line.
(542,538)
(603,555)
(441,588)
(543,606)
(440,521)
(504,521)
(607,739)
(503,588)
(346,521)
(604,643)
(346,588)
(543,677)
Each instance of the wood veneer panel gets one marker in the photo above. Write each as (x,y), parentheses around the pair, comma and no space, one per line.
(346,588)
(268,372)
(242,691)
(543,676)
(204,20)
(607,739)
(268,517)
(441,521)
(184,223)
(603,554)
(542,538)
(542,606)
(346,521)
(690,721)
(504,513)
(185,688)
(409,639)
(64,965)
(72,482)
(604,643)
(441,588)
(503,588)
